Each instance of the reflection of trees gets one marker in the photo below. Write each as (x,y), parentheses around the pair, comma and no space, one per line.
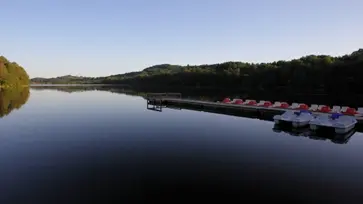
(191,94)
(11,99)
(68,89)
(73,89)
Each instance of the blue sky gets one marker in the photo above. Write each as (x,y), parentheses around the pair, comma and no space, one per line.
(98,38)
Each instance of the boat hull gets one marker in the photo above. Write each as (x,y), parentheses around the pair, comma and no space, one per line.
(294,121)
(345,129)
(282,122)
(298,124)
(337,130)
(295,124)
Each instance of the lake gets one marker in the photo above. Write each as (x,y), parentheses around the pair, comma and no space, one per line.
(103,145)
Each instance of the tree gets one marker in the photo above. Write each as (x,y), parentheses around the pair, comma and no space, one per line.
(12,74)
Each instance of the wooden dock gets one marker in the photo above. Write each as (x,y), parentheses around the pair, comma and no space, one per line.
(176,100)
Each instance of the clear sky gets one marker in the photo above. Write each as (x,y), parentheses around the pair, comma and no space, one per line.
(97,38)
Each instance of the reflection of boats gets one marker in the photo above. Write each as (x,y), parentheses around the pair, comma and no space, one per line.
(292,131)
(340,123)
(343,138)
(296,118)
(306,132)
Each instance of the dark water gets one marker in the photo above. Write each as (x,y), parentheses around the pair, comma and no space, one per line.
(61,147)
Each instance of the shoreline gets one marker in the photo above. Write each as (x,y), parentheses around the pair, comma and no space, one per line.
(13,87)
(64,85)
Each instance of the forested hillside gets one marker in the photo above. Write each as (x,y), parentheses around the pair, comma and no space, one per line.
(68,79)
(319,74)
(12,74)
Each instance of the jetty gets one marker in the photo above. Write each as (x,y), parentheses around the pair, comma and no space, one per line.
(175,100)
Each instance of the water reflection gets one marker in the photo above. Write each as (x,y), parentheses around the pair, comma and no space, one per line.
(306,132)
(191,94)
(266,116)
(83,88)
(157,108)
(102,145)
(12,99)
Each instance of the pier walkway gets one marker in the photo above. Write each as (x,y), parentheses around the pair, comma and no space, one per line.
(176,99)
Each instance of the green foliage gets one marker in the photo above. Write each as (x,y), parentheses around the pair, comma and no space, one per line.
(68,79)
(11,99)
(12,74)
(313,74)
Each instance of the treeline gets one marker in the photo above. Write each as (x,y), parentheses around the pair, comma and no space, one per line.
(12,74)
(313,75)
(68,79)
(11,99)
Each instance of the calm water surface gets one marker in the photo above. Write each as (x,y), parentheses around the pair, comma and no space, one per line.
(97,145)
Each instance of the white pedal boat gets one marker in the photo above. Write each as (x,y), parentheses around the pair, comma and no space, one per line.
(299,118)
(339,122)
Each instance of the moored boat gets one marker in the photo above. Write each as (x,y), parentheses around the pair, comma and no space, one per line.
(302,119)
(339,122)
(295,118)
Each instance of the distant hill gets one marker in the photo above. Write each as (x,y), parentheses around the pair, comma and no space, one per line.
(338,77)
(12,74)
(67,79)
